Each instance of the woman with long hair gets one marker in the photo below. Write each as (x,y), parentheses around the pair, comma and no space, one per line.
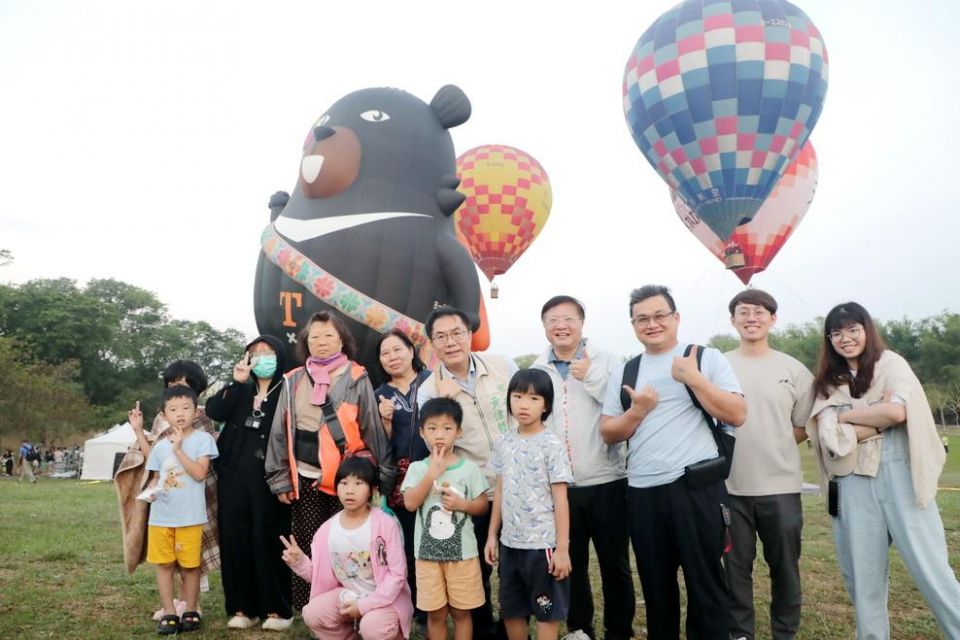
(877,447)
(326,411)
(404,372)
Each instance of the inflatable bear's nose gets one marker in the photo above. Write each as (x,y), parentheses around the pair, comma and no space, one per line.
(322,133)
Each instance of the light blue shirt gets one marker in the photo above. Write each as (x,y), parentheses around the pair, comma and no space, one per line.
(181,500)
(674,435)
(527,466)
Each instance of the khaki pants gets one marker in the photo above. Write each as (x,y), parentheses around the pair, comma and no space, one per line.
(26,471)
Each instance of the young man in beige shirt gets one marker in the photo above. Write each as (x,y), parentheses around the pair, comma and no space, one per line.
(765,481)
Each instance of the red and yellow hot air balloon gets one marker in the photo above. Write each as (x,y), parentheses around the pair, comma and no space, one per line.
(753,245)
(508,202)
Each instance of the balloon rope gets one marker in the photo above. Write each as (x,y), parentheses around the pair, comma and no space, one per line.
(352,303)
(796,295)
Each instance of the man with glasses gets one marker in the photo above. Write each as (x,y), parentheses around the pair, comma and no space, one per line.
(579,372)
(479,384)
(766,479)
(676,518)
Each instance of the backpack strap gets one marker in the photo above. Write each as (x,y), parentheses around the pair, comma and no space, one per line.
(711,422)
(334,426)
(630,371)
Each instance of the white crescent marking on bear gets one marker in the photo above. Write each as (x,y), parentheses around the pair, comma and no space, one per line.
(310,167)
(300,230)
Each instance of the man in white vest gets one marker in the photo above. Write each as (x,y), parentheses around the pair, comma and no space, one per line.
(579,371)
(479,384)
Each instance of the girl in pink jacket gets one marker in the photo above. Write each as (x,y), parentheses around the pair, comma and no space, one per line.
(357,569)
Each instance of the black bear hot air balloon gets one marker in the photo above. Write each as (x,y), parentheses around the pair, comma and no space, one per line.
(368,232)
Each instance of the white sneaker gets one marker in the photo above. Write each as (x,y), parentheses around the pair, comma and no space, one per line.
(276,624)
(241,622)
(579,634)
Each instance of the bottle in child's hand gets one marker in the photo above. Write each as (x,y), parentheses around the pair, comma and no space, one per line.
(347,596)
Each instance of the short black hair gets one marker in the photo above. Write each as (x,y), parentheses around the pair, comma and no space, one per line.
(648,291)
(532,381)
(436,407)
(358,467)
(189,370)
(442,312)
(178,391)
(558,300)
(754,296)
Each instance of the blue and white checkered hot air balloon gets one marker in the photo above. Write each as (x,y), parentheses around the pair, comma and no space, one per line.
(720,95)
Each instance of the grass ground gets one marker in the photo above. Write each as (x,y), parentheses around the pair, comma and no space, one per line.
(61,571)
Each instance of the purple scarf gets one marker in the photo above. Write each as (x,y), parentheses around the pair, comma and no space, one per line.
(319,369)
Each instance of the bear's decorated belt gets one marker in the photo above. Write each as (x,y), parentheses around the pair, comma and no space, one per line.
(334,292)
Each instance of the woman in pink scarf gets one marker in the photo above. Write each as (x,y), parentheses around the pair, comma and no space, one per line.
(326,410)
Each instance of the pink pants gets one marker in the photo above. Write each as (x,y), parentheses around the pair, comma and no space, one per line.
(322,616)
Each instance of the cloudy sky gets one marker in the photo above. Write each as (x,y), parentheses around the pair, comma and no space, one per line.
(141,141)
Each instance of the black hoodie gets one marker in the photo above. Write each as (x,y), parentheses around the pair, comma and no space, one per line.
(242,447)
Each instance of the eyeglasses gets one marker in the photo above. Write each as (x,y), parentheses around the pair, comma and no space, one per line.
(441,339)
(659,317)
(751,313)
(853,332)
(554,321)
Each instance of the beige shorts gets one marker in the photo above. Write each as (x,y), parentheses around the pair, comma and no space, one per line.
(455,583)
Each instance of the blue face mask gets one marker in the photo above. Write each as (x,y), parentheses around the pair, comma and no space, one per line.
(265,367)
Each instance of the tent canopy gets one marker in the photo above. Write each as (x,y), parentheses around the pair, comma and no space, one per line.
(102,454)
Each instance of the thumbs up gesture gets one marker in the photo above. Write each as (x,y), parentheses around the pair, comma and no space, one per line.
(580,366)
(684,369)
(386,408)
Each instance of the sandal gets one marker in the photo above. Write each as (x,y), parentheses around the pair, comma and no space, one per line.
(168,625)
(190,621)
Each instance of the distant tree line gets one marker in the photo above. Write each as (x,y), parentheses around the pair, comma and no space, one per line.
(931,346)
(76,358)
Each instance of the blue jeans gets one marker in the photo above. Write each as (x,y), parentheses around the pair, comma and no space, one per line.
(877,511)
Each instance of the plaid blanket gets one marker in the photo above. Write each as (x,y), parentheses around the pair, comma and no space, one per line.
(131,479)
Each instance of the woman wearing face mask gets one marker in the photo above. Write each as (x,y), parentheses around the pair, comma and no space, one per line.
(256,583)
(326,409)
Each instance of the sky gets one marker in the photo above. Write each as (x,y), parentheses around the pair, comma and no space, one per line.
(142,141)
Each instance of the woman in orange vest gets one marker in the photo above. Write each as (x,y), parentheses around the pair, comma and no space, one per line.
(326,411)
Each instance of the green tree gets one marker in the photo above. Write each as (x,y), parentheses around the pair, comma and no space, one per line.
(57,323)
(40,400)
(724,342)
(802,341)
(6,257)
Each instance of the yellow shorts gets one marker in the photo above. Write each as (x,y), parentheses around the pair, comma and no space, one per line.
(174,544)
(455,583)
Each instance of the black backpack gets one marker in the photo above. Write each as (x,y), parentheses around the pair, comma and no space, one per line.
(32,455)
(725,441)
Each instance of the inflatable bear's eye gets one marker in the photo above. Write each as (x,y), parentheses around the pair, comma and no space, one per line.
(375,115)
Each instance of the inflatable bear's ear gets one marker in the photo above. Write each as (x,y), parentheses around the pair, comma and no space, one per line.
(448,200)
(451,181)
(277,202)
(451,106)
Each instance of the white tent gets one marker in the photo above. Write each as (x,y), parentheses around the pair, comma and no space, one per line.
(102,454)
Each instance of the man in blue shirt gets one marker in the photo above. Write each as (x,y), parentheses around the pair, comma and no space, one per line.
(673,523)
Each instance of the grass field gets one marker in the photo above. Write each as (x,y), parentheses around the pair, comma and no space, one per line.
(61,570)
